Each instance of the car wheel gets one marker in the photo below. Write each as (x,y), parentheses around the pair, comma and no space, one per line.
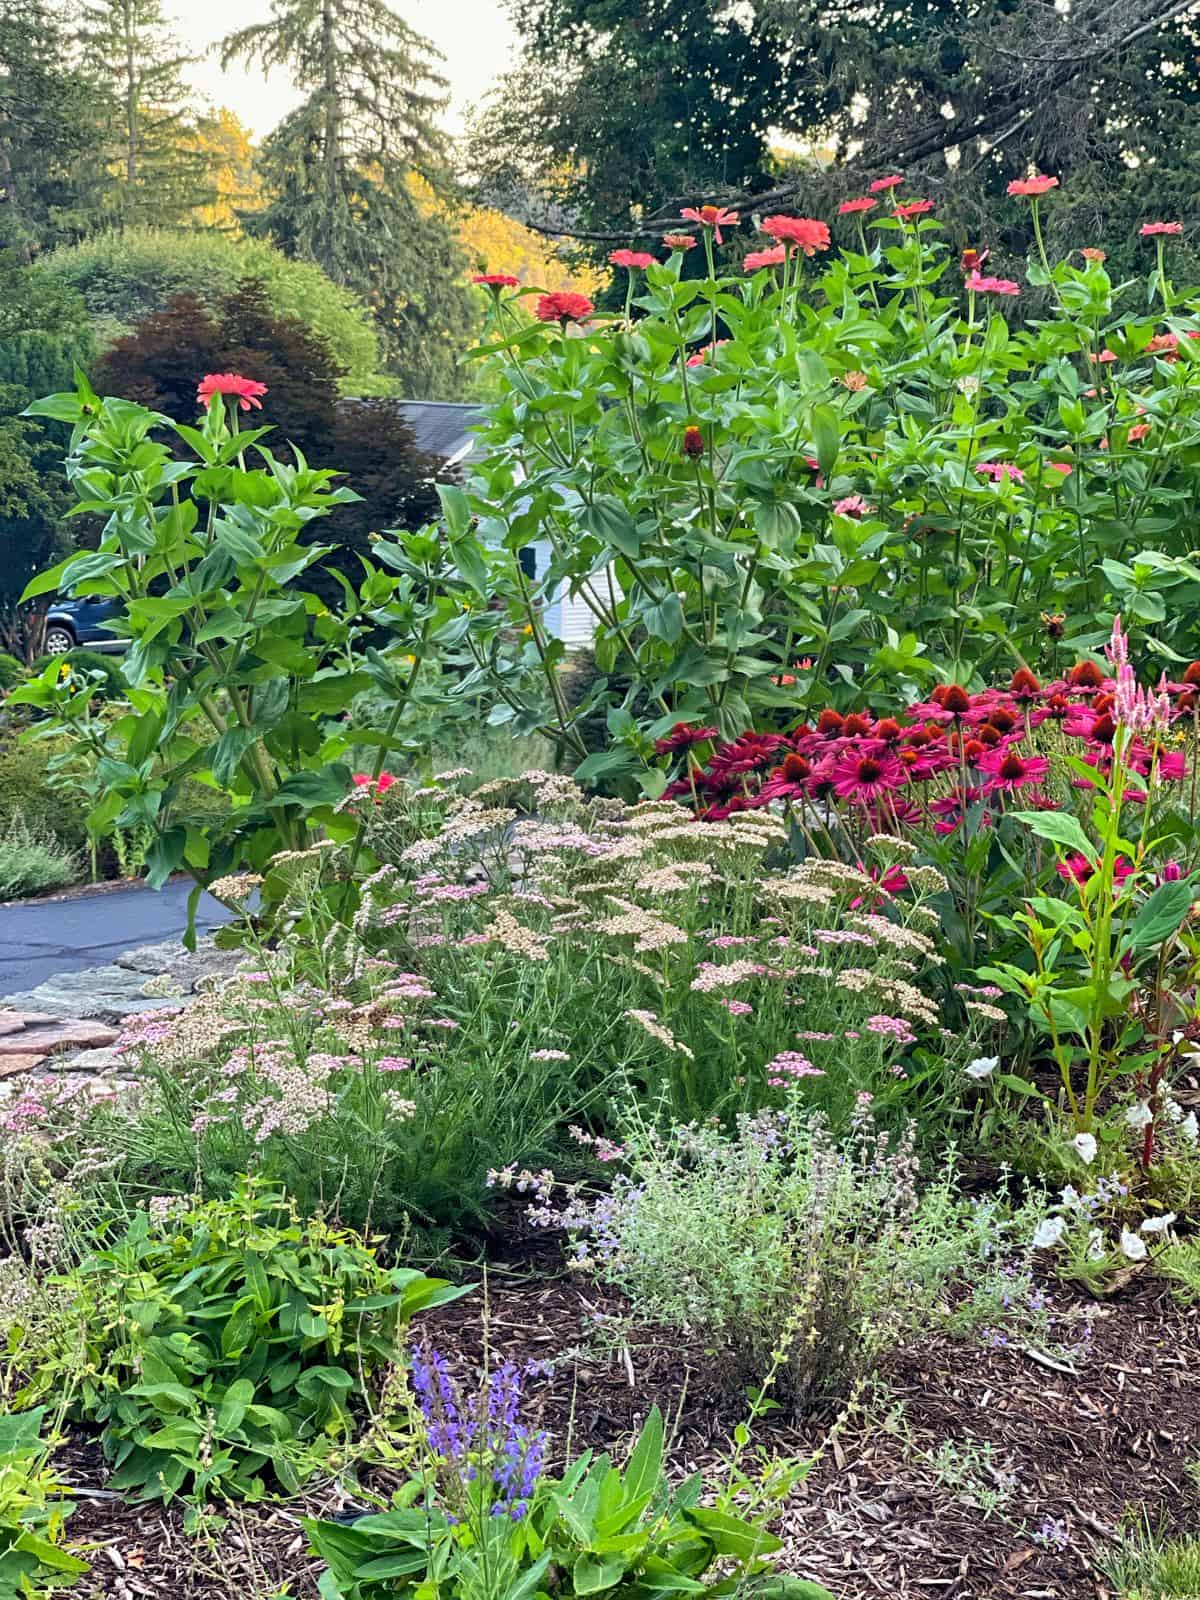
(59,640)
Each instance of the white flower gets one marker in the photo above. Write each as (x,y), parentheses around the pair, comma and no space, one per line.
(1139,1116)
(1070,1197)
(1189,1128)
(1157,1224)
(1095,1245)
(1048,1233)
(1132,1246)
(983,1066)
(1084,1146)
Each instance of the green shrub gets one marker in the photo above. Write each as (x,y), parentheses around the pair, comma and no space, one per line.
(124,277)
(32,1513)
(28,797)
(32,863)
(219,1344)
(81,659)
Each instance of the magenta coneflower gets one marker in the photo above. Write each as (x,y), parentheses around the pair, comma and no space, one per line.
(866,774)
(1008,770)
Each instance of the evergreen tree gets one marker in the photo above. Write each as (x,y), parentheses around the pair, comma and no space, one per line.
(155,176)
(51,172)
(341,173)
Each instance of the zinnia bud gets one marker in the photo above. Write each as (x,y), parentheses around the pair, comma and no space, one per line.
(693,443)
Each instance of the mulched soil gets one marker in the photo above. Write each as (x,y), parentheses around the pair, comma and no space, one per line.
(873,1517)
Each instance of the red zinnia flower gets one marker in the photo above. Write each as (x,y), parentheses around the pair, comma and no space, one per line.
(693,443)
(246,391)
(1038,184)
(848,207)
(379,786)
(631,259)
(714,217)
(1149,229)
(978,285)
(774,257)
(881,184)
(563,307)
(914,208)
(496,280)
(972,261)
(806,232)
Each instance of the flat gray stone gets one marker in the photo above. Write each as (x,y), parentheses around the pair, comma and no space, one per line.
(100,1060)
(105,994)
(188,968)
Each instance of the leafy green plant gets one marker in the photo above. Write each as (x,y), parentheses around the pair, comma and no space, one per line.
(597,1529)
(33,1510)
(839,477)
(33,863)
(233,669)
(220,1344)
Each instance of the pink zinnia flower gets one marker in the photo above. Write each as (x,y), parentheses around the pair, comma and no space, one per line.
(774,257)
(633,259)
(979,285)
(848,207)
(379,786)
(1036,185)
(852,506)
(496,280)
(1149,229)
(714,217)
(246,391)
(997,471)
(807,233)
(882,184)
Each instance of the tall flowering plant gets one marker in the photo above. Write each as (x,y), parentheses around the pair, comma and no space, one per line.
(830,474)
(238,676)
(1099,953)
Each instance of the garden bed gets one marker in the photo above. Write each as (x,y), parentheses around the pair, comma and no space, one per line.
(891,1506)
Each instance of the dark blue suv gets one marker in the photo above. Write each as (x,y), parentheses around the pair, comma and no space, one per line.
(82,622)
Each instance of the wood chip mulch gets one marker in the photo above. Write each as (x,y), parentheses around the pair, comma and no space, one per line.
(888,1509)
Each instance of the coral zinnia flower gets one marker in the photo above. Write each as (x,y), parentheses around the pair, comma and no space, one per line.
(806,232)
(496,280)
(1009,770)
(1038,184)
(881,184)
(714,217)
(978,285)
(679,241)
(1090,253)
(774,257)
(915,208)
(563,307)
(866,774)
(1149,229)
(848,207)
(246,391)
(631,259)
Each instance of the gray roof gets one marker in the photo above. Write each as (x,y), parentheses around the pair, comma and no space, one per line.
(443,427)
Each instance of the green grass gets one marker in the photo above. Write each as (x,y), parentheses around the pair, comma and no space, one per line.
(33,863)
(1147,1567)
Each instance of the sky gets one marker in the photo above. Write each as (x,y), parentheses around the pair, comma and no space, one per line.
(474,36)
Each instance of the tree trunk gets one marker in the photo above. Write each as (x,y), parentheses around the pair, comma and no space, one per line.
(131,108)
(332,130)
